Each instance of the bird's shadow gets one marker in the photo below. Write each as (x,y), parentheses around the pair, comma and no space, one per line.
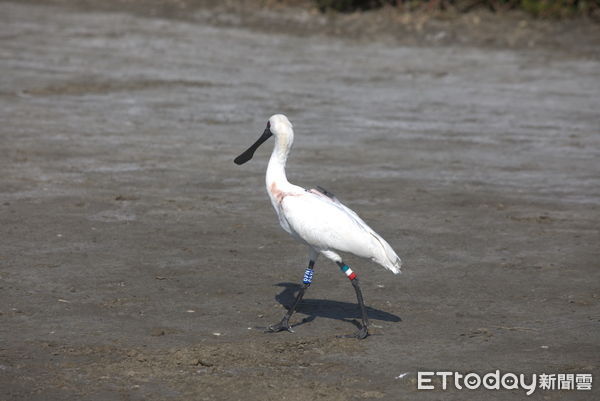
(344,311)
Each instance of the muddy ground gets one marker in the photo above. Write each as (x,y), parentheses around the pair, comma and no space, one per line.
(137,262)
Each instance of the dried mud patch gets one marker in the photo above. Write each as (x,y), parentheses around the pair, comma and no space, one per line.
(300,369)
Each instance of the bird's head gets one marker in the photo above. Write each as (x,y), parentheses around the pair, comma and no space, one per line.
(278,125)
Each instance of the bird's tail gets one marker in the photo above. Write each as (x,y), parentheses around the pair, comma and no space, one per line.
(385,255)
(382,251)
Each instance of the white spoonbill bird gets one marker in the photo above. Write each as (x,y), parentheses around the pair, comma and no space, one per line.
(316,218)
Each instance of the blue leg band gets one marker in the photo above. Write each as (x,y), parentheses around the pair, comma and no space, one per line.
(308,275)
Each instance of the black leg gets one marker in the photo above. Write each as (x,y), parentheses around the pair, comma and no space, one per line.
(285,321)
(363,332)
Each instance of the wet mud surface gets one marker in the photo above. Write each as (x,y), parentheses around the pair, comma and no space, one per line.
(137,262)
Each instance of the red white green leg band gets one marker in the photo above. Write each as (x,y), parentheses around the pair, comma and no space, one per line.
(351,275)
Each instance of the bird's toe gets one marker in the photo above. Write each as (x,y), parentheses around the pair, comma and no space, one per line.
(281,326)
(362,333)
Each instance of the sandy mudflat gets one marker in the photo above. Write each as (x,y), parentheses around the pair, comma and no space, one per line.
(137,262)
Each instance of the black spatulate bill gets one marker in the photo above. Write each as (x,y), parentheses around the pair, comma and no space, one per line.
(247,155)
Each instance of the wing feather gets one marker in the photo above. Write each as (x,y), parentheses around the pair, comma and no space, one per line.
(325,223)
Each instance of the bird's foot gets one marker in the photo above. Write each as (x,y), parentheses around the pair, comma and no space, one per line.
(361,334)
(281,326)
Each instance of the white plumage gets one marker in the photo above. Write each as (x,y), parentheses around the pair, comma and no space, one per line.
(318,219)
(311,216)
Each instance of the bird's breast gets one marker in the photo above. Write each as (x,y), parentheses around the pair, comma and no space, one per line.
(278,194)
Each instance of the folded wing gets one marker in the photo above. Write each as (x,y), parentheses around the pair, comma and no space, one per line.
(321,220)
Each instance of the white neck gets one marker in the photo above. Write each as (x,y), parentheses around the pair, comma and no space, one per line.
(276,168)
